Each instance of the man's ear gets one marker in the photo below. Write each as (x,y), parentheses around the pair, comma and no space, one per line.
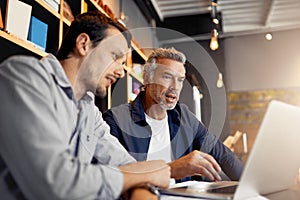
(83,43)
(146,78)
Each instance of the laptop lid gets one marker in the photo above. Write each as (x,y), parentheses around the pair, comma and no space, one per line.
(273,162)
(274,159)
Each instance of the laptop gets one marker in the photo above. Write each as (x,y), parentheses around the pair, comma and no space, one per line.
(272,165)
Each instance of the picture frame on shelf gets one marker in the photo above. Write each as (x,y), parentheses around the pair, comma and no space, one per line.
(133,88)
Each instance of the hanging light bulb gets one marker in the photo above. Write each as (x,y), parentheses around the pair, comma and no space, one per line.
(215,21)
(220,81)
(268,36)
(214,45)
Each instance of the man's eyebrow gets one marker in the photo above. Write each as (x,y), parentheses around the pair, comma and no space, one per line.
(122,53)
(119,54)
(168,73)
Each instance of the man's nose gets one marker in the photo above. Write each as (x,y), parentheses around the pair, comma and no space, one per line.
(175,84)
(120,72)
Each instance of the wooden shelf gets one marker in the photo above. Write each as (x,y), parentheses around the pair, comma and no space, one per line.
(57,25)
(131,73)
(139,51)
(98,7)
(132,44)
(25,44)
(48,8)
(67,22)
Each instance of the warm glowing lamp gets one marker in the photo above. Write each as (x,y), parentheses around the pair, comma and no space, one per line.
(214,45)
(269,36)
(215,21)
(220,81)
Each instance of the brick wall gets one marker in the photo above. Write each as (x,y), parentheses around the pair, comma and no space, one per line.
(247,110)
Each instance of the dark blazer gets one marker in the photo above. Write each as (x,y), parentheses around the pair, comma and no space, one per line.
(127,123)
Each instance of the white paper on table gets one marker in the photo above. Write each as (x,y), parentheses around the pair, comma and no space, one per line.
(18,18)
(197,184)
(257,198)
(203,185)
(166,197)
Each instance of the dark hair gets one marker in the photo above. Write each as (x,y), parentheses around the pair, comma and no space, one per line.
(93,23)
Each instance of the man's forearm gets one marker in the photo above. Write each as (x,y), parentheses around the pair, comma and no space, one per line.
(156,172)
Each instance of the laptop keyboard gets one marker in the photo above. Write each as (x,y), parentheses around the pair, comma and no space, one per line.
(224,190)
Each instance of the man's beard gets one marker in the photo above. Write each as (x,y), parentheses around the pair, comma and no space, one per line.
(165,107)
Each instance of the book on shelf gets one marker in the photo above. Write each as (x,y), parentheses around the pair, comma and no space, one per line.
(137,70)
(38,33)
(85,7)
(18,18)
(1,21)
(53,4)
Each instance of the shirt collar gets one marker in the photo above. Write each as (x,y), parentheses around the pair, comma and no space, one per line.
(56,70)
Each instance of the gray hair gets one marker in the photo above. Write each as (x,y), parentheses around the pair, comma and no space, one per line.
(170,53)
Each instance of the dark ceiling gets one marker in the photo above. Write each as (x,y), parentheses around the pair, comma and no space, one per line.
(191,25)
(243,17)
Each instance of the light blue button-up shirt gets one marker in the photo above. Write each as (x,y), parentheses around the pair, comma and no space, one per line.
(48,139)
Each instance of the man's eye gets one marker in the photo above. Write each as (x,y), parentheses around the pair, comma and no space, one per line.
(167,77)
(181,80)
(114,56)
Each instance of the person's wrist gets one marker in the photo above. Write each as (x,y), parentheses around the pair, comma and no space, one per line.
(149,187)
(153,189)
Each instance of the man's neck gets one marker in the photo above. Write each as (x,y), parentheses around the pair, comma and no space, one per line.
(153,109)
(71,69)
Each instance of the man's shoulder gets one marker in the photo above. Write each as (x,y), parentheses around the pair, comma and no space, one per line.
(19,60)
(121,106)
(119,114)
(183,106)
(183,109)
(21,65)
(185,113)
(118,110)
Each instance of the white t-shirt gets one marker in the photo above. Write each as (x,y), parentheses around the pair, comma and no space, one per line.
(160,146)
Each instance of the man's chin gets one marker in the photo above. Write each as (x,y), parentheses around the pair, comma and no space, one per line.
(101,93)
(166,106)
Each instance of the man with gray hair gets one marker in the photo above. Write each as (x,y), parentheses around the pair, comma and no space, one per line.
(156,126)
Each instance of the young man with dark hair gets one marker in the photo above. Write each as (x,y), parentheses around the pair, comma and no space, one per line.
(51,130)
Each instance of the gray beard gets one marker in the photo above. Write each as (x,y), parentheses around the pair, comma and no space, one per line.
(164,107)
